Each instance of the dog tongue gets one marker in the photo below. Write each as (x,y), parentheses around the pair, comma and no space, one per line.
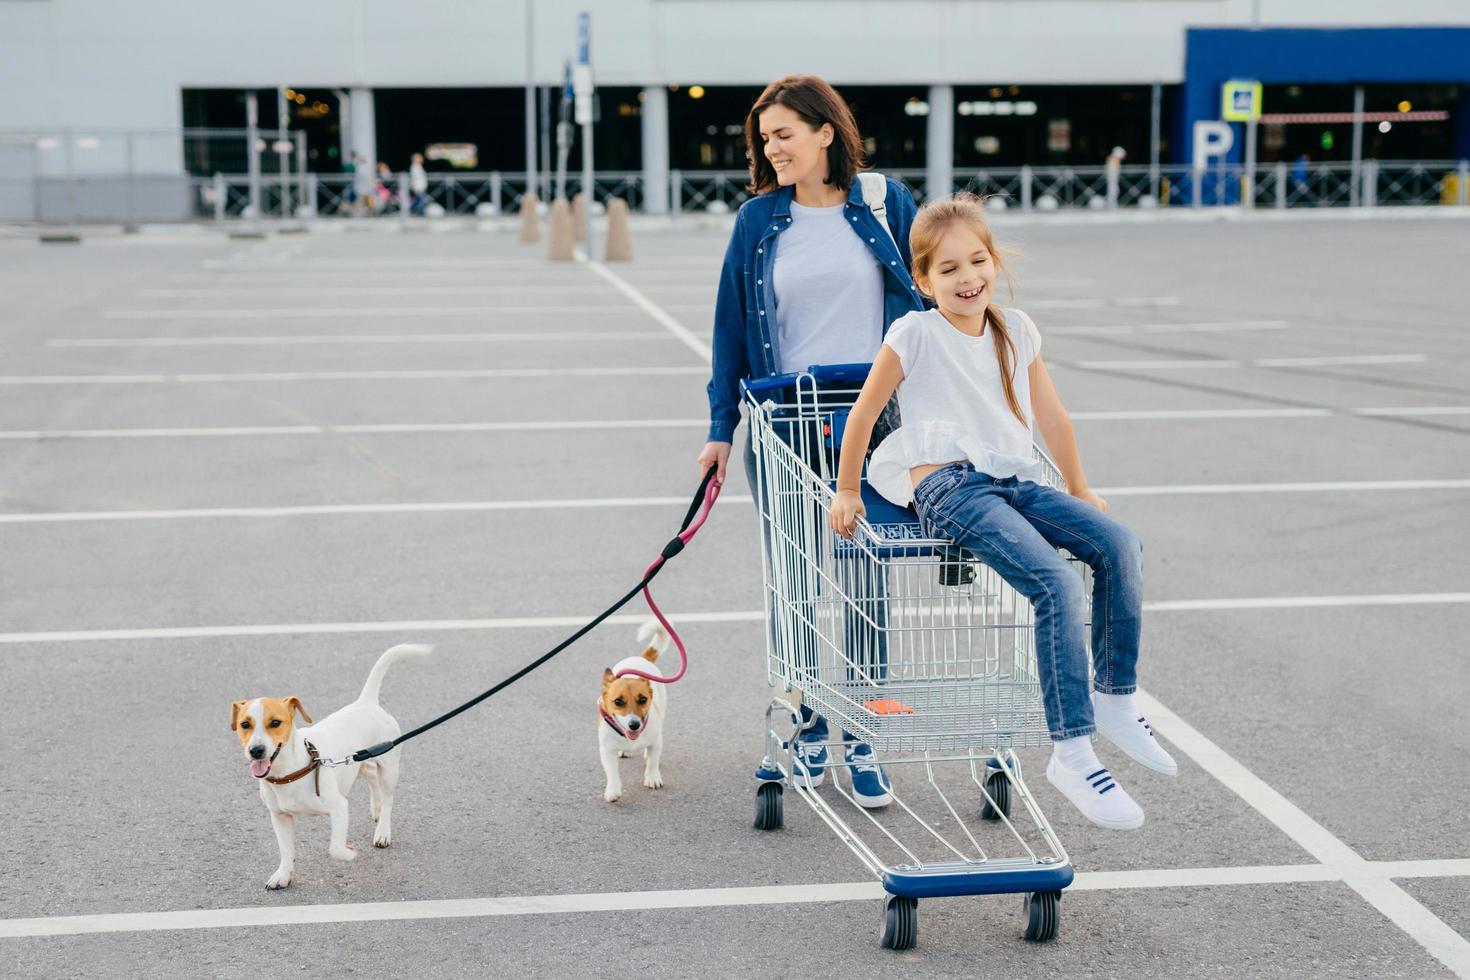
(260,767)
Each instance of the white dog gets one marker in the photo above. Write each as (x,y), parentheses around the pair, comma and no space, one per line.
(631,713)
(284,759)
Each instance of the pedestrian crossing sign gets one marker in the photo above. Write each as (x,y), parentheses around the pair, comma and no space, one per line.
(1242,102)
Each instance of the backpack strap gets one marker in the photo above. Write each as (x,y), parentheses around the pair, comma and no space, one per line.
(875,196)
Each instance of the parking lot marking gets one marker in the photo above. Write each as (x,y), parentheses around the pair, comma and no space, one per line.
(427,374)
(309,340)
(266,916)
(1208,414)
(1216,326)
(361,312)
(1212,363)
(729,616)
(366,427)
(468,506)
(649,307)
(327,289)
(1391,901)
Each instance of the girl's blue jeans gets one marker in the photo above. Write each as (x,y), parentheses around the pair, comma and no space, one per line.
(1016,527)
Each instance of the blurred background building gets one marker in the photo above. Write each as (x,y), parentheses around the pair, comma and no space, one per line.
(165,90)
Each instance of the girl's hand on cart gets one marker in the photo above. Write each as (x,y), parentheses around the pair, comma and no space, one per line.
(716,454)
(846,509)
(1088,497)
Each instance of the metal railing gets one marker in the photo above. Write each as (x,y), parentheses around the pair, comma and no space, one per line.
(55,183)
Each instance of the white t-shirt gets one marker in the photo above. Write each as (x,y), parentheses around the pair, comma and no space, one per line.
(829,292)
(953,405)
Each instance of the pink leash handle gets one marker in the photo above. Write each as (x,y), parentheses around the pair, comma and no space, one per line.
(711,494)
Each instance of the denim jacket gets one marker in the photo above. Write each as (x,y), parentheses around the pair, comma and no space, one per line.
(745,308)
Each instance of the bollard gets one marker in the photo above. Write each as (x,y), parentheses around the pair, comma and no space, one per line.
(219,197)
(1462,186)
(579,217)
(676,191)
(530,221)
(1280,178)
(1025,187)
(403,198)
(559,232)
(619,235)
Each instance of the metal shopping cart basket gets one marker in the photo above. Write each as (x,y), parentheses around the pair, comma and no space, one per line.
(911,645)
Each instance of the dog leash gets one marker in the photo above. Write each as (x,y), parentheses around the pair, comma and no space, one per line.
(711,491)
(694,518)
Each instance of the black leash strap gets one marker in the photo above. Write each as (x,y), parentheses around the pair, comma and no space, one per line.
(671,549)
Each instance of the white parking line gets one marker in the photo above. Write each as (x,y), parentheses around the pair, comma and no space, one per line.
(1212,363)
(1216,326)
(472,506)
(558,372)
(736,616)
(356,429)
(311,340)
(673,326)
(363,312)
(1207,414)
(1442,942)
(266,916)
(324,289)
(1101,302)
(1341,359)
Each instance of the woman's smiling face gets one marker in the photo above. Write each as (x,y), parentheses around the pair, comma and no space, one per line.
(796,149)
(961,274)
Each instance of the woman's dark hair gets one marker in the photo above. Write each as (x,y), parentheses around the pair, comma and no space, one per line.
(816,102)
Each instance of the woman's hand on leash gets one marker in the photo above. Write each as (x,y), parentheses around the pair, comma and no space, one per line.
(714,454)
(846,509)
(1087,496)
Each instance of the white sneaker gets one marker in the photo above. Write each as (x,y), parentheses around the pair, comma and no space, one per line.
(1097,795)
(1132,733)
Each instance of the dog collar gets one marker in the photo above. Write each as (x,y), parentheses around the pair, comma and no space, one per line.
(613,724)
(314,766)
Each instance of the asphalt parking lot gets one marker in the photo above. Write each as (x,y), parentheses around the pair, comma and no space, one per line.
(238,468)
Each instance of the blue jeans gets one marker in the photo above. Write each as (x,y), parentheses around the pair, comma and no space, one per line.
(866,646)
(1016,527)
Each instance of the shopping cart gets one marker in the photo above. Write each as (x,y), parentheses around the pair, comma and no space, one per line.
(911,645)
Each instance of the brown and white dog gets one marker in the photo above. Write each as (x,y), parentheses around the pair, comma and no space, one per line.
(631,713)
(284,759)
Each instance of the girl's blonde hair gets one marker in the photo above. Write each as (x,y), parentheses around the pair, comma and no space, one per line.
(932,221)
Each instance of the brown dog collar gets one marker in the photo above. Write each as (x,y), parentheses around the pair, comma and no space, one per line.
(314,766)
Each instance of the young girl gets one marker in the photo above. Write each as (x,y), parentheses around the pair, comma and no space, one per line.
(970,381)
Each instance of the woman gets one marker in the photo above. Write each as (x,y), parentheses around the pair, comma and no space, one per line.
(810,277)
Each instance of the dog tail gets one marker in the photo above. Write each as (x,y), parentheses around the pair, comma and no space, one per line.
(654,638)
(374,683)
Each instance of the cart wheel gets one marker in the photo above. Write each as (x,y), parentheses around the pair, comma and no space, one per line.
(1043,916)
(900,923)
(768,807)
(999,788)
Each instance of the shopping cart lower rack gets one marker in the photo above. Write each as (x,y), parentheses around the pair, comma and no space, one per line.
(911,645)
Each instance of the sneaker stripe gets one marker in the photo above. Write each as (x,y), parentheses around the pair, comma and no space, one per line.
(1092,776)
(1106,788)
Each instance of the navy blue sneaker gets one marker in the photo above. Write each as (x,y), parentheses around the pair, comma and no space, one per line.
(809,762)
(870,785)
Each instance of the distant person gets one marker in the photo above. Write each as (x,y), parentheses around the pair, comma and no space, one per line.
(418,184)
(812,275)
(1300,170)
(384,189)
(1113,172)
(350,168)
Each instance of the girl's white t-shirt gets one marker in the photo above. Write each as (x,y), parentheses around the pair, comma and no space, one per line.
(952,403)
